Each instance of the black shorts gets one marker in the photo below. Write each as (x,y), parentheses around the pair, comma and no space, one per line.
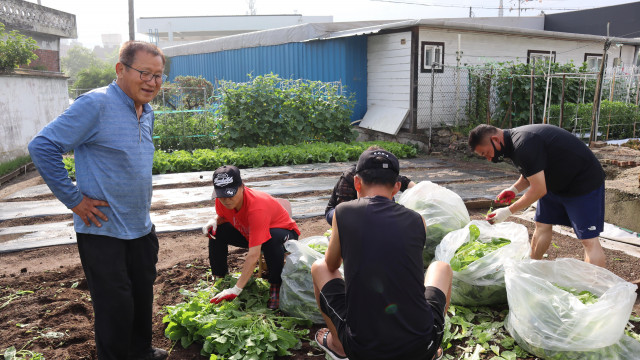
(333,303)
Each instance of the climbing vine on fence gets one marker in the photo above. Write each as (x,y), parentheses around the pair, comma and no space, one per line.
(510,84)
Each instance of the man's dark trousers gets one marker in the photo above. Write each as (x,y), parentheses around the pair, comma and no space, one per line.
(120,274)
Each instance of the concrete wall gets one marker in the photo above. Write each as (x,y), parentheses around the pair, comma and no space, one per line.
(28,102)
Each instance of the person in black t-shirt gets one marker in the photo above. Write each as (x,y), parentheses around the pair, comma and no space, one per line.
(344,191)
(560,172)
(385,307)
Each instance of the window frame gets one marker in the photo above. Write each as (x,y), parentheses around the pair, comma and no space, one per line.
(599,56)
(541,52)
(433,45)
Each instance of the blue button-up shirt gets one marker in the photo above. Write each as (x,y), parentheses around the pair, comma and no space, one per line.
(113,153)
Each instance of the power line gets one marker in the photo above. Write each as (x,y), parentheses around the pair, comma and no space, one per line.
(472,6)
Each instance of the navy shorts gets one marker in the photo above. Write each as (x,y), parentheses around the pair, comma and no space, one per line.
(585,213)
(333,303)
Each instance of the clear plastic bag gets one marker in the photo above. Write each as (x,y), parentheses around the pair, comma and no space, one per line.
(296,292)
(482,282)
(553,323)
(442,209)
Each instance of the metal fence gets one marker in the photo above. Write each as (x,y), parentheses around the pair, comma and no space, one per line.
(463,96)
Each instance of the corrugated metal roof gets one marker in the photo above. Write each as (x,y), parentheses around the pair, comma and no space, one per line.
(323,31)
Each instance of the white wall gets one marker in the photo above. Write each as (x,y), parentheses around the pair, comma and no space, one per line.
(27,104)
(482,47)
(389,70)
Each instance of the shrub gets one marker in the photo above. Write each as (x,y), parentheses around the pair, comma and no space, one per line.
(269,110)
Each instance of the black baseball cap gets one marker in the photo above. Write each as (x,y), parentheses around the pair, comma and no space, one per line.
(226,180)
(378,159)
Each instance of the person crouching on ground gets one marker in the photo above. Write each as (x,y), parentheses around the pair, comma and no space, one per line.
(385,307)
(251,219)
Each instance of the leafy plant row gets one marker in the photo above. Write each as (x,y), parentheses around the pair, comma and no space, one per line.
(245,157)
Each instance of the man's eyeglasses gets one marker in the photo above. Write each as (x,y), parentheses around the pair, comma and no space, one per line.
(147,76)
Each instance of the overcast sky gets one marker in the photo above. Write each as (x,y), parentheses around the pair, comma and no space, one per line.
(96,17)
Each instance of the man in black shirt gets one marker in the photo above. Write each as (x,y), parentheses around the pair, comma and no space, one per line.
(385,307)
(561,173)
(345,191)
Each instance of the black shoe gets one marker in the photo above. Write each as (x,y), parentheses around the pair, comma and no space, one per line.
(152,354)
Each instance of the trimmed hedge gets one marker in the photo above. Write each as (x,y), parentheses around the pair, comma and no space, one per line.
(245,157)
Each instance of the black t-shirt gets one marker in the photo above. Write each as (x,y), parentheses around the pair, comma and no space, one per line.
(381,244)
(570,167)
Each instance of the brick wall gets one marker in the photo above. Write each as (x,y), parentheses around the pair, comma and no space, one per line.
(50,59)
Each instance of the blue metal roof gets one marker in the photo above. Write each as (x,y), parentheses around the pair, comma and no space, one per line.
(341,59)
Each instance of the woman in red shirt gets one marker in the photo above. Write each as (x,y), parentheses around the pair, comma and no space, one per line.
(250,219)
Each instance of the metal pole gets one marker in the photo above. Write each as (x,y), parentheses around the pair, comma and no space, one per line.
(546,92)
(489,96)
(132,34)
(531,96)
(564,77)
(433,80)
(593,136)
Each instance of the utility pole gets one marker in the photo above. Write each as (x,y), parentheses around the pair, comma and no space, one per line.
(132,33)
(500,10)
(470,12)
(595,115)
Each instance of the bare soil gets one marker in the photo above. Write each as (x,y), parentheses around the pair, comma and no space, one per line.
(45,305)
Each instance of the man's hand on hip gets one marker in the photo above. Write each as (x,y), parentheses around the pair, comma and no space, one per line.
(87,210)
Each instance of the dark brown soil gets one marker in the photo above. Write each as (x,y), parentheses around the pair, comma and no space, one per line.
(45,305)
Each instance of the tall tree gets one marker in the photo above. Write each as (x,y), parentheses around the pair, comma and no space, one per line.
(78,58)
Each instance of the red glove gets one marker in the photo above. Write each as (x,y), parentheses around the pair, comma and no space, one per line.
(228,294)
(507,196)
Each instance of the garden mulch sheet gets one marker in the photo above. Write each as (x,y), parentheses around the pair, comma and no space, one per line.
(46,308)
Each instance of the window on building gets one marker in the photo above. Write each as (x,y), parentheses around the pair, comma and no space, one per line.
(534,56)
(432,56)
(593,61)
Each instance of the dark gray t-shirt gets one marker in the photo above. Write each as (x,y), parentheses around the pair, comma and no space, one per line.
(381,244)
(570,167)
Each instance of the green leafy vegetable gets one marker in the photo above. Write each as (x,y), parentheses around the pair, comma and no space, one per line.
(475,249)
(586,297)
(240,329)
(319,248)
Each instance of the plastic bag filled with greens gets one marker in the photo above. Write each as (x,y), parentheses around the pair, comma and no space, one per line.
(553,323)
(442,209)
(478,277)
(296,292)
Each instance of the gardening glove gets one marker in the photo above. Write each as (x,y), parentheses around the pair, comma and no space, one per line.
(499,215)
(210,227)
(507,195)
(228,294)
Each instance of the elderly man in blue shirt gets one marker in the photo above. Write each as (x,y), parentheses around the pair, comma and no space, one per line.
(110,131)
